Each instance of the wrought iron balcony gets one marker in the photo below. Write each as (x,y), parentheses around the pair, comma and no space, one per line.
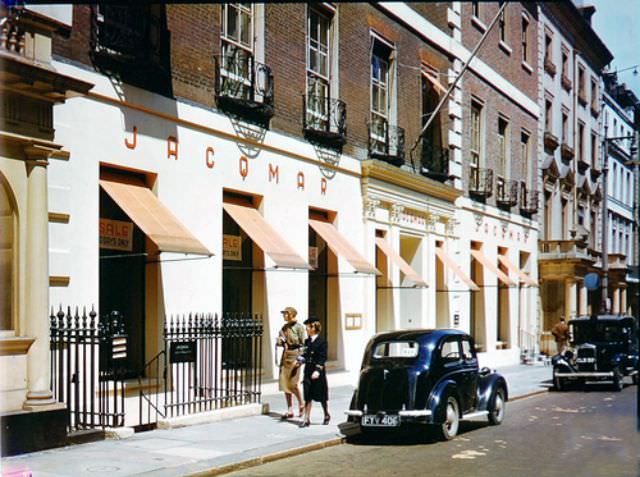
(244,87)
(131,42)
(529,200)
(324,120)
(434,161)
(386,142)
(480,182)
(506,192)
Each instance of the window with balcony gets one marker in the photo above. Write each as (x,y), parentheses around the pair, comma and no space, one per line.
(565,214)
(593,229)
(582,93)
(566,78)
(324,119)
(594,150)
(243,86)
(526,161)
(476,144)
(132,43)
(503,148)
(549,65)
(565,127)
(386,141)
(548,111)
(434,157)
(594,96)
(581,157)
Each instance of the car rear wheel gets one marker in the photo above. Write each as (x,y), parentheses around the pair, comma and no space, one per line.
(449,428)
(496,411)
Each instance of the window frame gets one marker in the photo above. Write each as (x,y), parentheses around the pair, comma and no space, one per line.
(525,37)
(321,113)
(229,47)
(381,84)
(476,158)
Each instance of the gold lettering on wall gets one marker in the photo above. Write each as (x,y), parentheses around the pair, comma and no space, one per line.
(274,173)
(300,181)
(323,186)
(172,147)
(208,156)
(134,142)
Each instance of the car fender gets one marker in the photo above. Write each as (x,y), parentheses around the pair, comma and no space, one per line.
(487,387)
(561,364)
(438,395)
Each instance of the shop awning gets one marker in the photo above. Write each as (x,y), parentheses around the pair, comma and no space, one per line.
(451,264)
(153,218)
(504,260)
(341,246)
(408,271)
(265,237)
(493,268)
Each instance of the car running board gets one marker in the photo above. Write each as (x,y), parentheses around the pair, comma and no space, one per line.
(471,415)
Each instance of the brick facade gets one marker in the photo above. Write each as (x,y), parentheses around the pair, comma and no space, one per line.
(194,39)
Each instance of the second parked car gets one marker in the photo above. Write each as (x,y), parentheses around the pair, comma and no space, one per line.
(426,377)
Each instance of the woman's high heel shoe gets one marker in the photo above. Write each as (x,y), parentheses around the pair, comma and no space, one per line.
(305,423)
(327,418)
(301,411)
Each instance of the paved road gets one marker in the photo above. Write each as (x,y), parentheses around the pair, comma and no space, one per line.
(580,433)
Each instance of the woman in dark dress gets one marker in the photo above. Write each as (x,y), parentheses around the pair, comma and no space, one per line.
(315,376)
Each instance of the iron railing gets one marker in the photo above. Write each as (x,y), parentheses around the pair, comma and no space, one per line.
(88,358)
(529,200)
(243,86)
(434,161)
(386,142)
(480,182)
(324,119)
(207,363)
(506,192)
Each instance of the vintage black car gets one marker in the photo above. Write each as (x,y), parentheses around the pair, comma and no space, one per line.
(605,348)
(425,377)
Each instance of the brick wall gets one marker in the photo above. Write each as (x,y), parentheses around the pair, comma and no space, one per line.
(508,64)
(495,105)
(436,12)
(195,39)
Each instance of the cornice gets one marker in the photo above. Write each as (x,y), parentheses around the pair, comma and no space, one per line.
(15,345)
(374,169)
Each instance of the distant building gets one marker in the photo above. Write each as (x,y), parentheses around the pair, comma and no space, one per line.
(572,58)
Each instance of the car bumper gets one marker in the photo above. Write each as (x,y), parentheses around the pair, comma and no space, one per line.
(585,374)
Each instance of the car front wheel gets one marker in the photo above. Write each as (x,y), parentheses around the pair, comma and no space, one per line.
(449,428)
(618,380)
(496,412)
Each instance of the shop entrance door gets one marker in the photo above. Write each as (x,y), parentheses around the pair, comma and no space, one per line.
(122,277)
(237,268)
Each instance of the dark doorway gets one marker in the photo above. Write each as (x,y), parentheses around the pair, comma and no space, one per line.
(318,252)
(122,283)
(237,268)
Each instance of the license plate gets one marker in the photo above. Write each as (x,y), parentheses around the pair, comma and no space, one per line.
(374,420)
(586,360)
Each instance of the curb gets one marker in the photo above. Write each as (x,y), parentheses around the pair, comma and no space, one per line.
(265,459)
(528,395)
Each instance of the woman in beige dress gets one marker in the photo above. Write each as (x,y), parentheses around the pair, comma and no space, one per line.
(291,338)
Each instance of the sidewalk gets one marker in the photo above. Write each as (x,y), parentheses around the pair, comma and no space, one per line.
(226,445)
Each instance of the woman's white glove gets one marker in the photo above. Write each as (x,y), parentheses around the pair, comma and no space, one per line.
(315,375)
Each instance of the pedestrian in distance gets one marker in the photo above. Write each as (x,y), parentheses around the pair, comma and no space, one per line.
(560,332)
(315,376)
(291,338)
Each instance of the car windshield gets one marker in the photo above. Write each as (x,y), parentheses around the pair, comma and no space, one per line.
(601,332)
(396,349)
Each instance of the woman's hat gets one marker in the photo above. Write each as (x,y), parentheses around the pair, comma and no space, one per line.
(291,310)
(308,321)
